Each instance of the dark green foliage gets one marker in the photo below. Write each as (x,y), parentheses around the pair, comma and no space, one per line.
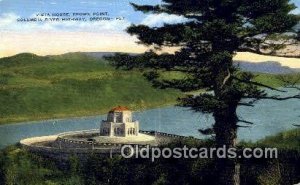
(216,30)
(21,167)
(284,170)
(208,42)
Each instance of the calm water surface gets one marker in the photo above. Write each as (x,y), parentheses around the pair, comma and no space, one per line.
(270,117)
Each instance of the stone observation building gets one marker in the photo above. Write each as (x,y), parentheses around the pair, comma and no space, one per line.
(119,123)
(117,130)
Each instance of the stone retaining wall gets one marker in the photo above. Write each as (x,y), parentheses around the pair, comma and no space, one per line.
(65,142)
(60,147)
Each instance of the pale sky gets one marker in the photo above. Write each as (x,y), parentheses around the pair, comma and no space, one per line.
(48,38)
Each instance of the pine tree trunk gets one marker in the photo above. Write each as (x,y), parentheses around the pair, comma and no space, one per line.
(228,170)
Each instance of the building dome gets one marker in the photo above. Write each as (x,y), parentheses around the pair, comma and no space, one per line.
(119,109)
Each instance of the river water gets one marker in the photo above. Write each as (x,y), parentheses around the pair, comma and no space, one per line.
(269,116)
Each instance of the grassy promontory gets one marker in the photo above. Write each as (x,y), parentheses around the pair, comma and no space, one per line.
(71,85)
(34,88)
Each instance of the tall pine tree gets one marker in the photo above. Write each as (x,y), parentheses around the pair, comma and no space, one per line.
(216,30)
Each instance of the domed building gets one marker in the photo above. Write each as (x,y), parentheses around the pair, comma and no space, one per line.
(119,123)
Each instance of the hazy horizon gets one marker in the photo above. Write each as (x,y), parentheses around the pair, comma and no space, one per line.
(54,38)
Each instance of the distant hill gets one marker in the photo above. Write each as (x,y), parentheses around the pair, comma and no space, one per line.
(266,67)
(21,59)
(102,54)
(70,85)
(36,87)
(270,67)
(99,54)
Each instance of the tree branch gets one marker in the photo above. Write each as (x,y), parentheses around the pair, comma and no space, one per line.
(240,126)
(270,45)
(208,131)
(258,84)
(274,97)
(226,78)
(289,81)
(292,87)
(244,121)
(246,104)
(266,54)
